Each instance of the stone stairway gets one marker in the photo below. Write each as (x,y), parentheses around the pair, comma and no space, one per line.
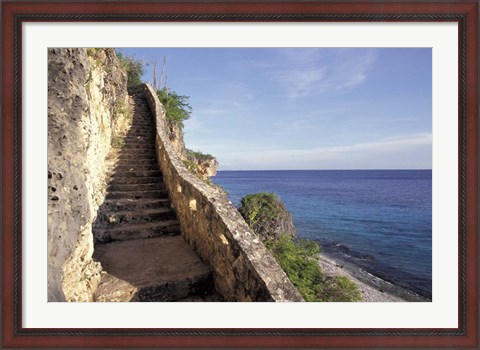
(137,234)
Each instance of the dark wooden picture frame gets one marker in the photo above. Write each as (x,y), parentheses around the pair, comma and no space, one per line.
(14,13)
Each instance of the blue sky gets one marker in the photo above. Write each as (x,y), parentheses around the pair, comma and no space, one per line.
(304,108)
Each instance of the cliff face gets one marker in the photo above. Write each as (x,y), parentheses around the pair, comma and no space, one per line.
(204,166)
(175,136)
(88,110)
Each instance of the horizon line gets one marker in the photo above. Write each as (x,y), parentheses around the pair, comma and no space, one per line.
(379,169)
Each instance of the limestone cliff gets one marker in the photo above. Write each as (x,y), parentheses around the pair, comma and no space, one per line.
(205,164)
(175,136)
(88,111)
(202,165)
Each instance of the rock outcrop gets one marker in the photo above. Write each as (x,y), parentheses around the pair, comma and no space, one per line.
(175,136)
(88,110)
(205,165)
(267,215)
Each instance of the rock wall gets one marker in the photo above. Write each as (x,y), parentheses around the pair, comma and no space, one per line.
(175,136)
(205,165)
(87,108)
(243,269)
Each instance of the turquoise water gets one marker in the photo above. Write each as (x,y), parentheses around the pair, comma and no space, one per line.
(380,220)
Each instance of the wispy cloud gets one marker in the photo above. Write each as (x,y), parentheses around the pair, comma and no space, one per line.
(232,98)
(305,72)
(393,150)
(309,119)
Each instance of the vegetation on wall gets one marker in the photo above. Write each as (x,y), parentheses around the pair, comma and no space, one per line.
(298,258)
(133,67)
(177,109)
(197,155)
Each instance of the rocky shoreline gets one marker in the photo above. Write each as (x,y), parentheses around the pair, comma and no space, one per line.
(373,288)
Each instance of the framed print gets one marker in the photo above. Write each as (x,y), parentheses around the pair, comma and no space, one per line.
(278,57)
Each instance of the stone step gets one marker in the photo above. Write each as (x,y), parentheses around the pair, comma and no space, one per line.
(134,204)
(133,168)
(137,162)
(130,154)
(143,123)
(125,156)
(143,133)
(139,138)
(141,129)
(136,187)
(143,146)
(137,231)
(142,116)
(136,180)
(147,173)
(129,160)
(156,269)
(137,194)
(111,219)
(139,150)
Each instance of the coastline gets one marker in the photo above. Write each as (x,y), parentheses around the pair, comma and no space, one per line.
(373,288)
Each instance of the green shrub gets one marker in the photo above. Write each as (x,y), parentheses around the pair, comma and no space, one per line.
(117,141)
(133,67)
(197,155)
(338,288)
(177,109)
(266,214)
(299,260)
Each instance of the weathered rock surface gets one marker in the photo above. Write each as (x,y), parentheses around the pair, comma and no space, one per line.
(207,167)
(83,116)
(175,136)
(205,164)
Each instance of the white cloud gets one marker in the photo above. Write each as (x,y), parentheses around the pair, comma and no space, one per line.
(392,152)
(305,72)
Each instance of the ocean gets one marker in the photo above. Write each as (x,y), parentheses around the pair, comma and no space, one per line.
(378,220)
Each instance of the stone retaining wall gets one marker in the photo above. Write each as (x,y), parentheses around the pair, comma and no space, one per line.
(242,267)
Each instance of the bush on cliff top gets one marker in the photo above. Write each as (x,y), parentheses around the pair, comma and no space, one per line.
(133,67)
(177,109)
(266,214)
(197,155)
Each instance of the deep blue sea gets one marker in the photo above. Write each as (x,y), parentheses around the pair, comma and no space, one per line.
(380,220)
